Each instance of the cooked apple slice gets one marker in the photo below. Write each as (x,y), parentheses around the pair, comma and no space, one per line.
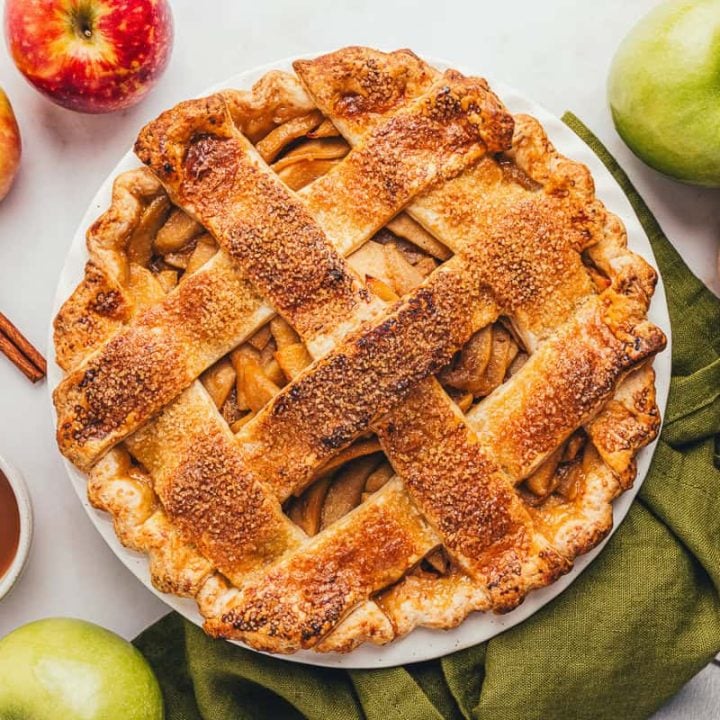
(273,370)
(244,420)
(369,261)
(271,145)
(467,371)
(544,480)
(501,354)
(573,445)
(306,511)
(359,448)
(293,359)
(238,358)
(569,477)
(325,129)
(144,287)
(438,560)
(283,332)
(403,276)
(176,233)
(261,338)
(254,386)
(346,489)
(140,244)
(322,149)
(379,288)
(168,279)
(426,266)
(405,227)
(204,250)
(378,477)
(219,380)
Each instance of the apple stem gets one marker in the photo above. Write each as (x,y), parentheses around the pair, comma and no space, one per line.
(82,21)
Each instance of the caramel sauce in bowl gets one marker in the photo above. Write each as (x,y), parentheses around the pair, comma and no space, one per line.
(15,526)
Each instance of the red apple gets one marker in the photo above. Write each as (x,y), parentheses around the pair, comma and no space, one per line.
(90,55)
(9,145)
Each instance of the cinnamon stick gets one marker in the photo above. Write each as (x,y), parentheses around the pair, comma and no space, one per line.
(20,351)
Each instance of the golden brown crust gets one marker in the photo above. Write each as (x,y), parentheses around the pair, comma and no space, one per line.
(268,236)
(526,243)
(532,243)
(141,524)
(212,171)
(572,526)
(101,305)
(431,140)
(98,307)
(562,385)
(543,196)
(629,421)
(359,86)
(467,498)
(367,623)
(143,367)
(299,600)
(208,491)
(337,398)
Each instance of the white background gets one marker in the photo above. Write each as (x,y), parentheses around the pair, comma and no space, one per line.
(556,52)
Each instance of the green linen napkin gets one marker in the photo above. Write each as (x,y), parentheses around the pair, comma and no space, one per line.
(631,630)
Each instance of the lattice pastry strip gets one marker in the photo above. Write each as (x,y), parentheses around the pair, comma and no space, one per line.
(477,211)
(536,169)
(378,387)
(125,490)
(458,487)
(359,627)
(168,437)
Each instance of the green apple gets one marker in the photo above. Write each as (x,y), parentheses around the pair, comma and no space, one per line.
(74,670)
(664,90)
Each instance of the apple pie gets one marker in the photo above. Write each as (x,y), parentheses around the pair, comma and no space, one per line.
(355,351)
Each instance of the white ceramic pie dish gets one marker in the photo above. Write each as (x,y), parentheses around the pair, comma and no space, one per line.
(421,644)
(22,496)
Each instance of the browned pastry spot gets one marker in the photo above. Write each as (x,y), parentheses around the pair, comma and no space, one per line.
(382,85)
(211,490)
(96,309)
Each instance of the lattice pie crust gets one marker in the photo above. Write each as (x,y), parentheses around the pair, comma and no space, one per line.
(357,351)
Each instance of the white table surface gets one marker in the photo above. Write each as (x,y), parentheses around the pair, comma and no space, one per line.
(556,51)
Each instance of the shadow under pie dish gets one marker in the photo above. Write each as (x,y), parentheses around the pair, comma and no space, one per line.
(357,351)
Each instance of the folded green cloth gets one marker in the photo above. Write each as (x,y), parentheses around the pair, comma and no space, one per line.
(631,630)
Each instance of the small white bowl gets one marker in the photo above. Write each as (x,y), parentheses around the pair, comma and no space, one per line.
(12,574)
